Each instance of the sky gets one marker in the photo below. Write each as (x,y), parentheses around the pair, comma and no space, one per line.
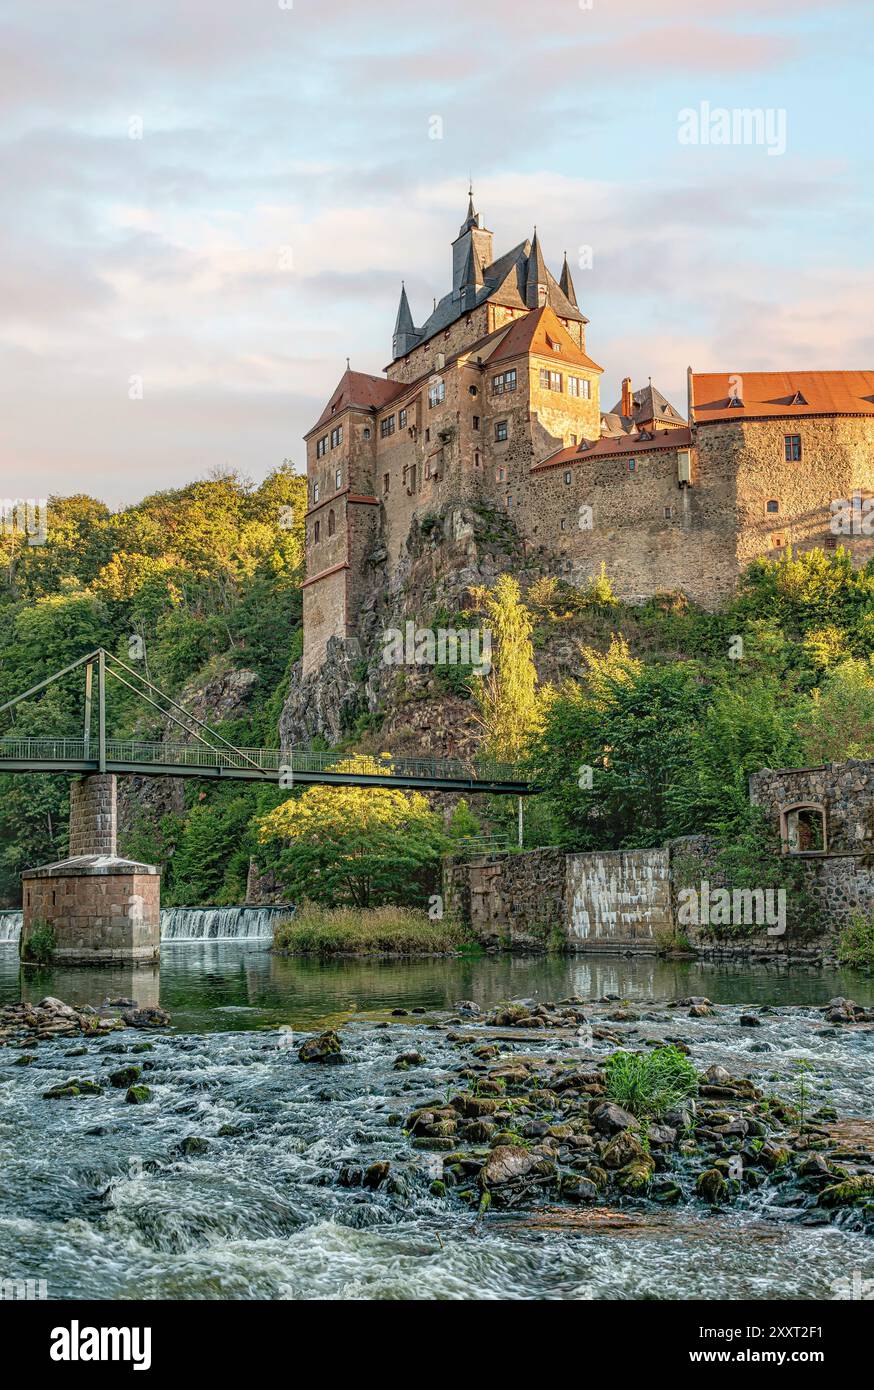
(209,204)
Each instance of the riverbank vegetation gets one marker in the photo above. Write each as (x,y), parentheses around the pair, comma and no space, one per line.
(856,943)
(397,931)
(644,725)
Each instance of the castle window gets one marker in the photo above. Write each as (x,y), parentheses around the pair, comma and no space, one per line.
(632,464)
(669,512)
(792,444)
(567,476)
(436,394)
(428,435)
(579,386)
(338,477)
(803,828)
(315,492)
(509,503)
(504,381)
(317,532)
(772,506)
(473,390)
(336,436)
(402,419)
(387,426)
(501,474)
(332,523)
(549,380)
(476,422)
(776,541)
(500,431)
(321,446)
(366,431)
(386,479)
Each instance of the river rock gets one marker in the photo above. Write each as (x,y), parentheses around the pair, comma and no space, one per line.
(151,1017)
(609,1118)
(508,1163)
(711,1186)
(854,1191)
(326,1047)
(624,1148)
(635,1176)
(125,1076)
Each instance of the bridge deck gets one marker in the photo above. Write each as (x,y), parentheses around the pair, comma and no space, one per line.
(127,758)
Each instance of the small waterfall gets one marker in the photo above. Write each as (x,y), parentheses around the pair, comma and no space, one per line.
(220,923)
(190,923)
(10,925)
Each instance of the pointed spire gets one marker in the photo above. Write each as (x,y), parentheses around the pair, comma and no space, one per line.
(566,284)
(536,279)
(404,320)
(405,335)
(473,275)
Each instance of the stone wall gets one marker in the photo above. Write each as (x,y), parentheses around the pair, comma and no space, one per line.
(618,901)
(511,900)
(102,910)
(93,815)
(845,791)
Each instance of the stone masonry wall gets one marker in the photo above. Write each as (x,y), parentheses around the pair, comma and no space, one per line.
(93,815)
(618,900)
(845,790)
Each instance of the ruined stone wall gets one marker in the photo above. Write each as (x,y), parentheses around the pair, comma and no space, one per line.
(515,901)
(845,790)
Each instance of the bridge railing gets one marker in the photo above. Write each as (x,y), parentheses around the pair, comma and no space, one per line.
(270,760)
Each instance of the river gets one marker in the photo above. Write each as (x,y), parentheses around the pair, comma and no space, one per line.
(98,1200)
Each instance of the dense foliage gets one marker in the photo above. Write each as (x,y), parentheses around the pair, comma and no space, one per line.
(196,582)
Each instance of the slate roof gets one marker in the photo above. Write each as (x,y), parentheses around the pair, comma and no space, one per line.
(649,404)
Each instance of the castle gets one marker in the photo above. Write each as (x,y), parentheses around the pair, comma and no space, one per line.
(495,400)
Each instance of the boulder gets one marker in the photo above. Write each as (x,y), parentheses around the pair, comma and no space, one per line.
(711,1186)
(610,1118)
(146,1018)
(623,1149)
(325,1047)
(635,1176)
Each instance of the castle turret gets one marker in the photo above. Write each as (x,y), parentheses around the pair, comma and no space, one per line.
(536,282)
(472,236)
(405,336)
(566,284)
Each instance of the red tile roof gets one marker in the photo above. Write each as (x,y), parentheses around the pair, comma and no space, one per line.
(361,390)
(766,395)
(618,446)
(535,333)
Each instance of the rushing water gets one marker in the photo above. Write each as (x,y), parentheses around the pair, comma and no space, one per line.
(190,923)
(97,1200)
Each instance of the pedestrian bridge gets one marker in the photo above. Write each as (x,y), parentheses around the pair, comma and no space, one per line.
(207,754)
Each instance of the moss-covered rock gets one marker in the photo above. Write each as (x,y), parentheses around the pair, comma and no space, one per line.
(852,1192)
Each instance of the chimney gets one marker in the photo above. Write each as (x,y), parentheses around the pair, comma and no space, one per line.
(627,398)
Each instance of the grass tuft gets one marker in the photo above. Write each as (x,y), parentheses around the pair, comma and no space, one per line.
(315,930)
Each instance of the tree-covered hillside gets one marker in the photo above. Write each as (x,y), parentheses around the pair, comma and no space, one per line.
(185,586)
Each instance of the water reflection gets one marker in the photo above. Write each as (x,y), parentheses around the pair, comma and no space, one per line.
(227,986)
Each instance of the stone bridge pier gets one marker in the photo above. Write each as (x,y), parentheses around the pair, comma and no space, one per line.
(92,908)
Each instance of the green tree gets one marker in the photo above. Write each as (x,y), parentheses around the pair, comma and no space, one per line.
(362,846)
(507,696)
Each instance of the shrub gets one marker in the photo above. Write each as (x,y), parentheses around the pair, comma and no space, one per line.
(856,943)
(316,930)
(648,1084)
(39,948)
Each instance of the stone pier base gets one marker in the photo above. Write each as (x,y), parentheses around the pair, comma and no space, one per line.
(101,909)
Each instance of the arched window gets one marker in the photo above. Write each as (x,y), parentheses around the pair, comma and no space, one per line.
(316,532)
(332,525)
(803,828)
(772,505)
